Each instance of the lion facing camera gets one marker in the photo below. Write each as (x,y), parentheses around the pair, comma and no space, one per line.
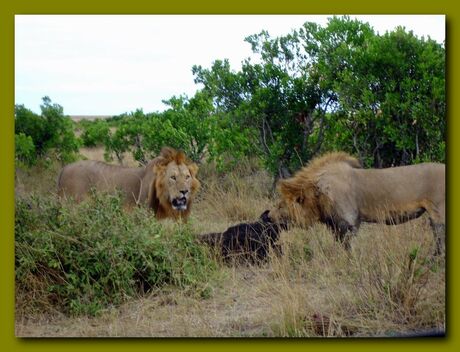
(167,184)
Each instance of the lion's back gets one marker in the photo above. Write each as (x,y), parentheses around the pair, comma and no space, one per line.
(77,179)
(336,184)
(402,183)
(74,179)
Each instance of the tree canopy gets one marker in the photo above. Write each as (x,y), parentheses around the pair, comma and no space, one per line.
(319,88)
(341,86)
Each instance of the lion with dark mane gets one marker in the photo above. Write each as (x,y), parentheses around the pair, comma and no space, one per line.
(167,184)
(335,190)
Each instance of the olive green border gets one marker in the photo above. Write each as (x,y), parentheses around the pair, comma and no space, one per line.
(7,12)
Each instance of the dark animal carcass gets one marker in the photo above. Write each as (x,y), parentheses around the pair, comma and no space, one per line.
(247,241)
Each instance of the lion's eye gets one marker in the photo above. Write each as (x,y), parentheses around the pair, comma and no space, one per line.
(173,178)
(187,177)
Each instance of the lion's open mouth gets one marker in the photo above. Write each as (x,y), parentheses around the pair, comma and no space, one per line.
(179,203)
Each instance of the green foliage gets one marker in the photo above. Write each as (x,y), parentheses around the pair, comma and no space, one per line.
(341,86)
(89,257)
(389,95)
(125,135)
(189,124)
(229,142)
(25,149)
(316,89)
(144,135)
(95,133)
(32,125)
(49,131)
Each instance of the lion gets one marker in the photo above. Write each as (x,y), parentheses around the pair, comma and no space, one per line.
(167,184)
(335,190)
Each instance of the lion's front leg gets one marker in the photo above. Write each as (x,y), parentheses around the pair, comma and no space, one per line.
(343,231)
(345,237)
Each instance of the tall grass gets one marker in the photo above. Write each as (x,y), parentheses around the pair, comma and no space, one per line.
(232,197)
(388,285)
(81,259)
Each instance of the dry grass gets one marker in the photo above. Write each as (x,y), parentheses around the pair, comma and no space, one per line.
(98,154)
(388,285)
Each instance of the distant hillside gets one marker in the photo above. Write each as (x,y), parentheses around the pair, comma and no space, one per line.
(89,117)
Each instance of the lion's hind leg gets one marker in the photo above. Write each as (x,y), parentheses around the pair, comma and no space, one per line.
(437,222)
(439,233)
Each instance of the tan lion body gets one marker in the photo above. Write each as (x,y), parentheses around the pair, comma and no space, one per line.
(335,190)
(76,180)
(167,184)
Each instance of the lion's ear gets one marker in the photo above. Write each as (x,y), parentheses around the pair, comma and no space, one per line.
(193,168)
(290,189)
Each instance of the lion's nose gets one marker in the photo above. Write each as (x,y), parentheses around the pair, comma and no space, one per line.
(184,193)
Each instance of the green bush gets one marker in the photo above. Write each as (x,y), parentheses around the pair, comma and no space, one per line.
(32,125)
(49,131)
(92,256)
(95,133)
(25,149)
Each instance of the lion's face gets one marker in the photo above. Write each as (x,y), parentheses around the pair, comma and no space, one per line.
(176,185)
(297,206)
(179,181)
(286,212)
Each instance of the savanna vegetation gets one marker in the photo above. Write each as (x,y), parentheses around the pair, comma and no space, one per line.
(93,269)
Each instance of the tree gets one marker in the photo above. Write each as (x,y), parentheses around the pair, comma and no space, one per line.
(49,130)
(277,100)
(95,133)
(335,87)
(390,95)
(32,125)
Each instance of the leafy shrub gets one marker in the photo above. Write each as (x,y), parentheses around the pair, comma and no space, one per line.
(50,130)
(32,125)
(94,255)
(189,124)
(25,149)
(95,133)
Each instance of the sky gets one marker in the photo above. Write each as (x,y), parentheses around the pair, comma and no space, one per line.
(108,65)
